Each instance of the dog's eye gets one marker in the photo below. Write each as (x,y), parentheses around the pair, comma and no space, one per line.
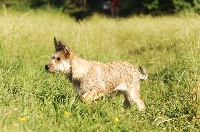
(58,58)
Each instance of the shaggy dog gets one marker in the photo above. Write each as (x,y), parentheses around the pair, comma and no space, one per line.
(92,79)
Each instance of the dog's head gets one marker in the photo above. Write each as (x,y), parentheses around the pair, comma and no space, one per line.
(60,61)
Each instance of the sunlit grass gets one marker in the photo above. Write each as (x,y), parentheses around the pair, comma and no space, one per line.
(32,99)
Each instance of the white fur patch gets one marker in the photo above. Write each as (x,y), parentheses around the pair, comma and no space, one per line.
(143,77)
(67,66)
(64,67)
(98,71)
(121,87)
(80,71)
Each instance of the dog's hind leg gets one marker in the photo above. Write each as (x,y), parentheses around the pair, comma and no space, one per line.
(133,95)
(126,104)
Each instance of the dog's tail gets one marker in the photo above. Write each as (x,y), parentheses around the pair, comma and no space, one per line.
(144,74)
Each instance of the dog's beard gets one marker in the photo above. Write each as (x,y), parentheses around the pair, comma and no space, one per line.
(64,67)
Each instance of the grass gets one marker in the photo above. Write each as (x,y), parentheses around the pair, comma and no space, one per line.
(32,99)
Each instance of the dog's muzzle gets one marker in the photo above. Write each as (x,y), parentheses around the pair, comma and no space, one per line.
(47,67)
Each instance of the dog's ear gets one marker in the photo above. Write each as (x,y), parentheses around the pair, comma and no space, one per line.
(55,42)
(60,46)
(64,48)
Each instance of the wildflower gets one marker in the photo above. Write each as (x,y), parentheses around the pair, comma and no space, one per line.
(67,113)
(116,119)
(23,119)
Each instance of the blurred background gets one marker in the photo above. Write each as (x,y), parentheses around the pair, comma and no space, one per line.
(83,8)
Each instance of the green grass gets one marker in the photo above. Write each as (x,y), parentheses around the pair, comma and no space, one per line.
(168,47)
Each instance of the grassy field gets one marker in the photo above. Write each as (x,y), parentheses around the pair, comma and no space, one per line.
(32,99)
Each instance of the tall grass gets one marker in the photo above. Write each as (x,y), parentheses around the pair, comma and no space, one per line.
(32,99)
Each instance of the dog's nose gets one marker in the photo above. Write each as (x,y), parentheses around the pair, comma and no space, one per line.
(47,67)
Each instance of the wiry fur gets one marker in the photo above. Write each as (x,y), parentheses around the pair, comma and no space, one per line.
(93,79)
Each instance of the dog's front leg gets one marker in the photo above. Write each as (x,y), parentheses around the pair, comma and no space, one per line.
(92,95)
(86,98)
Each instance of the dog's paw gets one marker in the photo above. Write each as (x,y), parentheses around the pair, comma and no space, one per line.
(86,99)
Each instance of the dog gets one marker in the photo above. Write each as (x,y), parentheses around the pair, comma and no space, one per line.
(92,79)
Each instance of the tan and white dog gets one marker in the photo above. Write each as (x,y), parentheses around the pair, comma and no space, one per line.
(92,79)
